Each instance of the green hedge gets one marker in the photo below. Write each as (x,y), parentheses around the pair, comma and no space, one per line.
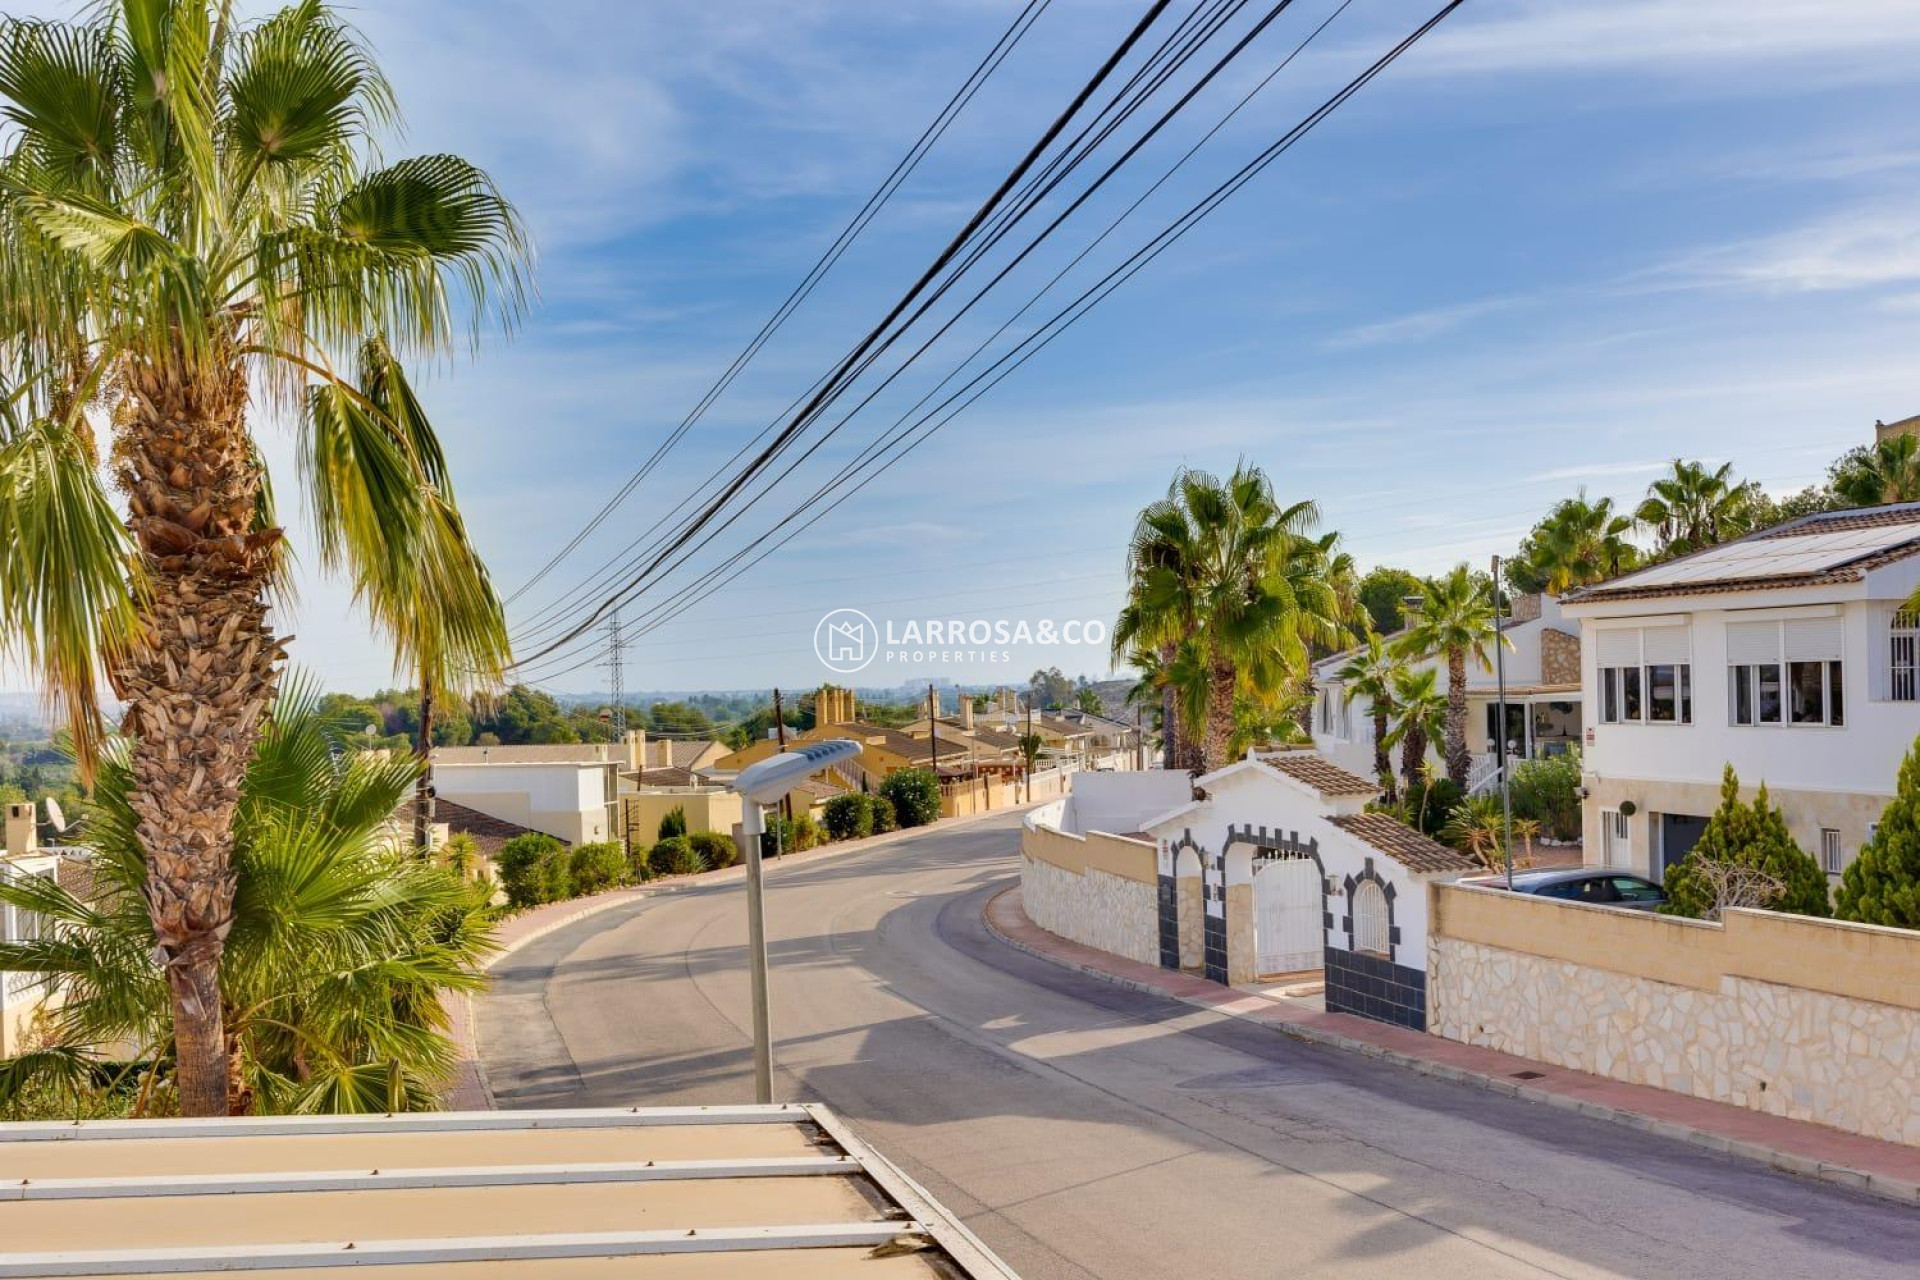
(525,865)
(915,796)
(675,856)
(1548,791)
(858,814)
(597,867)
(715,850)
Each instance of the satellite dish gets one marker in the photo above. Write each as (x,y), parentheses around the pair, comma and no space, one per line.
(55,816)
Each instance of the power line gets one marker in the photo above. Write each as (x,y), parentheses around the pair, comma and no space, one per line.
(1114,278)
(902,170)
(544,619)
(878,339)
(1067,315)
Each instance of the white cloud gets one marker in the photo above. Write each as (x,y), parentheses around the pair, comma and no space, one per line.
(1420,325)
(1596,471)
(1858,248)
(1849,38)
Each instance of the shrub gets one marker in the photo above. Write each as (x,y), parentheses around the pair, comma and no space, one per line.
(915,796)
(1548,791)
(884,818)
(461,856)
(595,867)
(556,873)
(522,873)
(848,817)
(1475,827)
(1427,804)
(806,833)
(1745,851)
(714,849)
(674,824)
(639,864)
(1882,885)
(674,856)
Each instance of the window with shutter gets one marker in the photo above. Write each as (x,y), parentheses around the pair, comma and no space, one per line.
(1786,672)
(1645,675)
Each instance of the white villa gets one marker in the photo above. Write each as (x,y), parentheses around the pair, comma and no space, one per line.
(1786,654)
(1544,698)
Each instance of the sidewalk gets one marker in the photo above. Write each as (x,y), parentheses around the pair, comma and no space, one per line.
(470,1091)
(1866,1164)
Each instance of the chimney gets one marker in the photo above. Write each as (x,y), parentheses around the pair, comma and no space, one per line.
(1526,608)
(662,755)
(833,706)
(636,749)
(23,833)
(966,711)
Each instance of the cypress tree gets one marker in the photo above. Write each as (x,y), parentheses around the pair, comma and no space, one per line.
(1882,885)
(1752,836)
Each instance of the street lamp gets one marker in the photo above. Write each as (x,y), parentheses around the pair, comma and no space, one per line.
(763,784)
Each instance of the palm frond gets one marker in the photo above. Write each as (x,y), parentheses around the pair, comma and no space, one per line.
(67,577)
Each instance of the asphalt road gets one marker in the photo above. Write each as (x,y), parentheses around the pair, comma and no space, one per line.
(1088,1131)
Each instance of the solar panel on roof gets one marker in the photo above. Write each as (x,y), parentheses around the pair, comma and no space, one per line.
(1774,557)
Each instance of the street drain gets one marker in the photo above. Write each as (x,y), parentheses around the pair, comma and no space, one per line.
(1528,1075)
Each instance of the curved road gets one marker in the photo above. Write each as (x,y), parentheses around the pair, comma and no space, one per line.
(1088,1131)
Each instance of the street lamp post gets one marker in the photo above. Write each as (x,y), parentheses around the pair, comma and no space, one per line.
(1500,677)
(763,784)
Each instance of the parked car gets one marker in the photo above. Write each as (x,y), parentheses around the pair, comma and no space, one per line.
(1584,884)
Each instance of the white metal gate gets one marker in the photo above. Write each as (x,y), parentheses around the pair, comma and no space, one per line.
(1615,850)
(1287,936)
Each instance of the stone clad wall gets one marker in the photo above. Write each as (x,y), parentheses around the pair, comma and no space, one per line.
(1093,908)
(1559,657)
(1702,1009)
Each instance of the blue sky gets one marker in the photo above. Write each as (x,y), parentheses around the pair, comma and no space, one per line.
(1556,245)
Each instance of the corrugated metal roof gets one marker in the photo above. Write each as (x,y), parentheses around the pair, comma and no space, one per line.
(749,1191)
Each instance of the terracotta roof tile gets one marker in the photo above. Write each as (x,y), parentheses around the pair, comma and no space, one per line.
(674,776)
(1402,843)
(489,833)
(1321,774)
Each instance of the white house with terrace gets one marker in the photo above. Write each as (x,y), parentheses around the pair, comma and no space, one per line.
(1543,697)
(1787,654)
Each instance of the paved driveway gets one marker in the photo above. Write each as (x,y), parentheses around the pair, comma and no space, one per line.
(1088,1131)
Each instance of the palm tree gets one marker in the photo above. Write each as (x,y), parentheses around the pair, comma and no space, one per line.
(1372,672)
(1454,617)
(1577,544)
(188,214)
(1691,507)
(1420,714)
(1886,471)
(439,608)
(1227,588)
(340,948)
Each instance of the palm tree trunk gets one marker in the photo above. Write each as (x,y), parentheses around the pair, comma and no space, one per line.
(1382,758)
(1169,714)
(423,789)
(1459,759)
(1219,728)
(197,685)
(1413,754)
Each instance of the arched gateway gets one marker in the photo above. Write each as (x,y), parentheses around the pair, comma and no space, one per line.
(1295,875)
